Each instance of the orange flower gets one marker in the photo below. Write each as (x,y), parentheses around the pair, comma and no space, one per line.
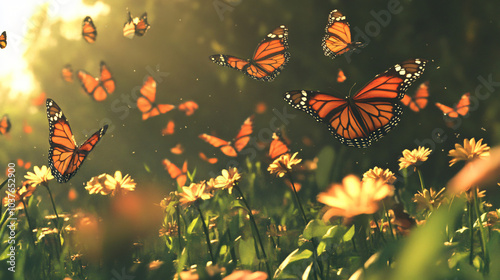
(227,180)
(414,157)
(283,164)
(193,193)
(428,199)
(246,275)
(25,191)
(96,185)
(353,197)
(379,173)
(40,176)
(469,151)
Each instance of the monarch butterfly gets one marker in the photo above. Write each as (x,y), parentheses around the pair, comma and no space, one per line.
(27,128)
(371,113)
(177,149)
(146,103)
(232,148)
(5,125)
(204,157)
(188,107)
(169,129)
(462,108)
(67,73)
(89,32)
(65,156)
(3,40)
(39,100)
(97,88)
(136,26)
(337,40)
(341,76)
(277,147)
(419,101)
(180,175)
(268,60)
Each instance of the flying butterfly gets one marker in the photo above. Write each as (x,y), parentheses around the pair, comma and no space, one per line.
(27,128)
(371,113)
(188,107)
(98,88)
(461,109)
(419,100)
(3,40)
(232,148)
(65,156)
(89,32)
(277,147)
(177,149)
(341,76)
(146,103)
(180,175)
(337,40)
(169,129)
(5,125)
(204,157)
(136,26)
(268,60)
(67,73)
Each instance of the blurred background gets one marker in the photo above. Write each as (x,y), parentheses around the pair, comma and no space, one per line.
(461,41)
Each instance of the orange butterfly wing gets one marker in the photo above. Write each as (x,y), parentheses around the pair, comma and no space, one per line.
(146,103)
(175,172)
(341,76)
(189,107)
(177,149)
(169,129)
(106,79)
(5,125)
(419,101)
(277,147)
(268,60)
(142,26)
(65,157)
(204,157)
(231,149)
(224,145)
(337,40)
(39,100)
(462,108)
(89,31)
(3,40)
(27,128)
(241,140)
(67,73)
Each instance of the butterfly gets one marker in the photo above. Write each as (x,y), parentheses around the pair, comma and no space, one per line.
(5,125)
(268,60)
(277,147)
(136,26)
(188,107)
(341,76)
(462,108)
(89,31)
(337,40)
(100,88)
(65,156)
(232,148)
(371,113)
(204,157)
(177,149)
(146,102)
(67,73)
(180,175)
(23,164)
(3,40)
(261,107)
(27,128)
(419,100)
(169,129)
(39,100)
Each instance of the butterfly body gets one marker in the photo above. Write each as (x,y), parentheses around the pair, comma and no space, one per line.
(65,156)
(365,117)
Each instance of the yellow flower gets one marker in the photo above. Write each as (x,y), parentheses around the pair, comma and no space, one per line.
(193,193)
(227,180)
(283,164)
(119,184)
(353,197)
(154,265)
(469,151)
(21,193)
(428,199)
(246,275)
(41,176)
(379,173)
(96,185)
(414,157)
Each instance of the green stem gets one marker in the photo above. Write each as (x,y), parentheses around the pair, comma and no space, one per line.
(59,245)
(29,220)
(486,256)
(471,231)
(389,221)
(256,229)
(179,229)
(205,229)
(422,185)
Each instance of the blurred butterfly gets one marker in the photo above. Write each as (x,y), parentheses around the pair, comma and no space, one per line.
(5,125)
(268,60)
(277,147)
(136,26)
(188,107)
(177,149)
(341,76)
(67,73)
(27,128)
(169,129)
(232,148)
(21,163)
(419,100)
(261,107)
(65,156)
(371,113)
(180,175)
(89,31)
(39,100)
(337,40)
(98,88)
(3,40)
(146,102)
(462,108)
(204,157)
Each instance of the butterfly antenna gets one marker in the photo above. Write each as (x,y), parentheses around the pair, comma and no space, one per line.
(351,89)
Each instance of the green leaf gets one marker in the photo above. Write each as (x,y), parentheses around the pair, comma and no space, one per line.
(349,234)
(298,255)
(236,203)
(325,163)
(182,261)
(194,223)
(191,175)
(146,167)
(247,251)
(305,275)
(315,228)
